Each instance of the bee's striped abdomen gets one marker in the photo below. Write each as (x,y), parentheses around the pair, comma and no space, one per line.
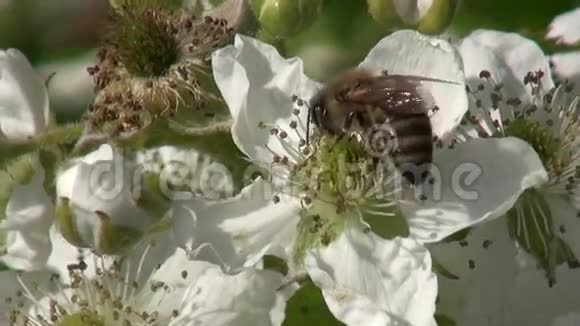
(414,141)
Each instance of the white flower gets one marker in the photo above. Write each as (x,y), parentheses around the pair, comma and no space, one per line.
(155,285)
(101,204)
(265,94)
(28,217)
(24,106)
(497,284)
(513,95)
(565,28)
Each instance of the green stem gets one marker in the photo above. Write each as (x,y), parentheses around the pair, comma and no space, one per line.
(62,135)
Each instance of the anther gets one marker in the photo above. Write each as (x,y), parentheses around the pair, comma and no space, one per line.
(562,229)
(484,74)
(486,244)
(471,264)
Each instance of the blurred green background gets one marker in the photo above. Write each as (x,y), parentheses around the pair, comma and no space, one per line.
(60,36)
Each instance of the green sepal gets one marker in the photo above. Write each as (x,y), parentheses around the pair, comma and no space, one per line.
(114,239)
(151,197)
(307,307)
(65,222)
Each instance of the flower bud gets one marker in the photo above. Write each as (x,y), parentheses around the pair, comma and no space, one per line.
(284,18)
(100,202)
(427,16)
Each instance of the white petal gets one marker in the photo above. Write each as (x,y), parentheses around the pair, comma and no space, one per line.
(533,303)
(477,57)
(410,53)
(216,299)
(566,66)
(565,28)
(520,55)
(29,215)
(478,296)
(177,272)
(242,229)
(24,106)
(366,280)
(475,181)
(257,85)
(570,319)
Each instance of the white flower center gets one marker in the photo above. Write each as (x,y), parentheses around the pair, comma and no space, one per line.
(109,298)
(549,123)
(336,179)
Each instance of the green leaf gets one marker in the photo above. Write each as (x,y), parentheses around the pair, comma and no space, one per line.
(307,307)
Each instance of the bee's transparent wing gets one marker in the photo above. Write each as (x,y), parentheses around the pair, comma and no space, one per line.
(395,94)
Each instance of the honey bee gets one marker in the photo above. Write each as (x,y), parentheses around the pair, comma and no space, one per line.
(397,105)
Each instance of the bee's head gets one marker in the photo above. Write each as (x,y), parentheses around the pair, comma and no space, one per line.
(316,109)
